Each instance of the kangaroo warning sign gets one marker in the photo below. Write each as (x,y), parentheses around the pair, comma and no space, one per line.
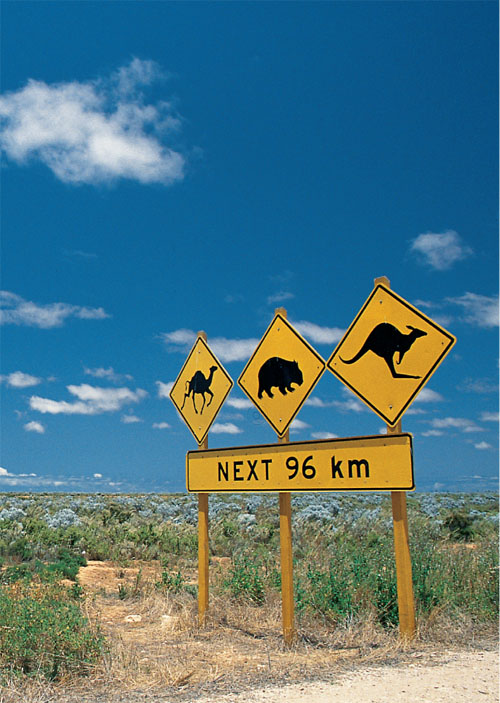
(389,353)
(377,463)
(200,389)
(281,373)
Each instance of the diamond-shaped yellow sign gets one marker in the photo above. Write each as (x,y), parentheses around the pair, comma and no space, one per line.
(281,373)
(200,389)
(389,353)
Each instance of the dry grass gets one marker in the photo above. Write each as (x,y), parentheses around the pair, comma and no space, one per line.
(155,644)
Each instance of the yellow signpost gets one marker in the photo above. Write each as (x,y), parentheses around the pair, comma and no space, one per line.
(200,389)
(281,373)
(198,394)
(389,353)
(375,463)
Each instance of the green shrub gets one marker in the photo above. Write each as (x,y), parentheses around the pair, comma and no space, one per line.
(352,583)
(11,574)
(460,526)
(244,580)
(455,578)
(173,583)
(43,632)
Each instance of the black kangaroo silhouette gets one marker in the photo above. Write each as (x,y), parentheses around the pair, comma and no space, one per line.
(201,385)
(385,340)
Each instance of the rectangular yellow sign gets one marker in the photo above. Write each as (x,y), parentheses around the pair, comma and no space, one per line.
(376,463)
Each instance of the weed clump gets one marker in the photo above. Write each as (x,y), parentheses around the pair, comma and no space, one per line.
(43,631)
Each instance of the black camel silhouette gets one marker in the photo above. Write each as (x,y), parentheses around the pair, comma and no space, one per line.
(201,385)
(385,340)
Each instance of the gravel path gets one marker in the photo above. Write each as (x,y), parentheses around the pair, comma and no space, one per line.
(468,677)
(445,677)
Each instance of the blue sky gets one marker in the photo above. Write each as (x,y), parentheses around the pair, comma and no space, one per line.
(175,167)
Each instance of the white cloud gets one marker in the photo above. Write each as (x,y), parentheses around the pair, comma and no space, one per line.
(95,131)
(224,349)
(440,250)
(180,338)
(136,73)
(109,374)
(18,379)
(459,423)
(427,395)
(240,403)
(479,310)
(324,435)
(225,428)
(34,427)
(298,425)
(315,402)
(233,349)
(79,254)
(350,404)
(228,350)
(483,445)
(317,334)
(164,388)
(478,385)
(14,310)
(91,400)
(130,419)
(433,433)
(234,416)
(425,304)
(490,417)
(32,481)
(161,425)
(279,297)
(10,477)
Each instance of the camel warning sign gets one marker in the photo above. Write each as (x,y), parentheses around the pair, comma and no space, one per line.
(200,389)
(389,353)
(281,373)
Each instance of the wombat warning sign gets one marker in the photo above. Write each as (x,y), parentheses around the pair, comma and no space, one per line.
(281,373)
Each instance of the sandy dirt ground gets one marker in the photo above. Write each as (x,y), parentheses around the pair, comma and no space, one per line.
(466,677)
(426,676)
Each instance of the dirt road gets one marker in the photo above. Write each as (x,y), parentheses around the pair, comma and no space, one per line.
(468,677)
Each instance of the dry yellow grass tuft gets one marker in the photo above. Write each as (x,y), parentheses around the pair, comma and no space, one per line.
(155,644)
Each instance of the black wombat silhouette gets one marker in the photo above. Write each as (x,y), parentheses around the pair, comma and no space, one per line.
(201,385)
(385,340)
(278,372)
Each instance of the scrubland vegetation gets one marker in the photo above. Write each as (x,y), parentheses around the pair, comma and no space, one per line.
(344,567)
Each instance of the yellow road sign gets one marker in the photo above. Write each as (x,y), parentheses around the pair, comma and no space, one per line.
(200,389)
(389,353)
(379,463)
(281,373)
